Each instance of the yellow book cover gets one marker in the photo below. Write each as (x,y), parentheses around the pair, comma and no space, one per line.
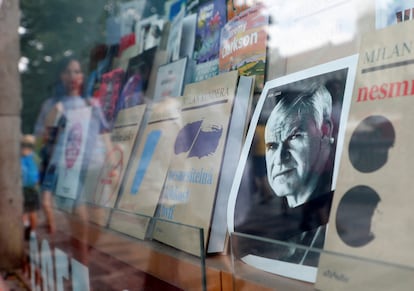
(145,178)
(103,181)
(190,187)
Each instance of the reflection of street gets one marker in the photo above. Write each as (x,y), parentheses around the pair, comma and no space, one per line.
(106,272)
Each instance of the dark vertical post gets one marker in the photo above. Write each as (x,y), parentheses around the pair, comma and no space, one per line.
(11,230)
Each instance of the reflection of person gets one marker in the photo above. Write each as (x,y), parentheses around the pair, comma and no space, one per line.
(30,180)
(72,79)
(70,85)
(354,215)
(298,139)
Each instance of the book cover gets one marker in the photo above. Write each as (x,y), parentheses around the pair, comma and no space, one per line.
(148,32)
(243,44)
(132,93)
(211,18)
(136,78)
(285,178)
(147,171)
(175,35)
(371,214)
(171,79)
(235,7)
(190,187)
(127,47)
(237,133)
(188,35)
(108,93)
(116,156)
(72,152)
(173,7)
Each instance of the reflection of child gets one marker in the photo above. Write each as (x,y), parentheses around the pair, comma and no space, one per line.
(30,180)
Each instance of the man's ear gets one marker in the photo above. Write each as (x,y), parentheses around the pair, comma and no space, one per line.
(327,128)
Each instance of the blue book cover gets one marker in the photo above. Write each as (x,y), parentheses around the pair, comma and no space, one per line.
(211,18)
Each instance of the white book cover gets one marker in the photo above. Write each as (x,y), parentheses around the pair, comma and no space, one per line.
(188,35)
(174,36)
(170,80)
(71,160)
(148,32)
(237,133)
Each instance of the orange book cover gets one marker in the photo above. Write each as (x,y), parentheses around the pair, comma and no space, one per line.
(243,44)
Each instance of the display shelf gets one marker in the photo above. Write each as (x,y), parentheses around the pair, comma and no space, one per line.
(335,271)
(165,263)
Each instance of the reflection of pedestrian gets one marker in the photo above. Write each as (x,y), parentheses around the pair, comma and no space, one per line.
(70,84)
(72,80)
(30,180)
(354,216)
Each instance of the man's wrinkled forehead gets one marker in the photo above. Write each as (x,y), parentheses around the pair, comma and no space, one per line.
(280,124)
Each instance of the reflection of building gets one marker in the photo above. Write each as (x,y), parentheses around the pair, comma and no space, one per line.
(392,12)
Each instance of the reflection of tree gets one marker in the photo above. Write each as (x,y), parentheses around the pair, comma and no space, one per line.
(55,29)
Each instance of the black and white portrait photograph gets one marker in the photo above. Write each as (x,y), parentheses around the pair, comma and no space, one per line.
(286,177)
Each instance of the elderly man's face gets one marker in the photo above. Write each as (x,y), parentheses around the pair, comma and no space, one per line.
(293,145)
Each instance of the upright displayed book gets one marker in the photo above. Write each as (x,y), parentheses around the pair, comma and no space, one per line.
(108,93)
(211,18)
(371,218)
(109,176)
(237,132)
(148,32)
(286,175)
(147,171)
(188,35)
(175,35)
(142,64)
(173,7)
(136,79)
(171,79)
(190,187)
(243,44)
(235,7)
(71,152)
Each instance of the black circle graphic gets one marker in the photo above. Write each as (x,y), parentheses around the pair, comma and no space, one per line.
(370,143)
(354,215)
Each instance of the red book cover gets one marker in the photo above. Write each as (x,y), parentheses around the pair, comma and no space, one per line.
(108,93)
